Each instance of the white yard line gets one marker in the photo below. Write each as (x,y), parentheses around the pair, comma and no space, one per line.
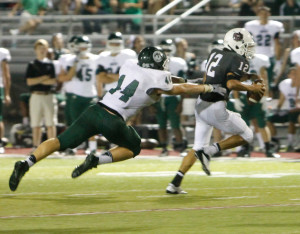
(148,210)
(144,190)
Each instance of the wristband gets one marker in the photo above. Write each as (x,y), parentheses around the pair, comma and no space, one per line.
(208,88)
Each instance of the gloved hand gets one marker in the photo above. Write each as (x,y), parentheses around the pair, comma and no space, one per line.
(216,88)
(238,105)
(263,101)
(277,68)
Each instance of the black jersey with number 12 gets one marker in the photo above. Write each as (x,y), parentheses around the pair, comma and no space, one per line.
(219,64)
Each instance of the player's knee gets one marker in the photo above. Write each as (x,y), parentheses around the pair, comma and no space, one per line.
(247,135)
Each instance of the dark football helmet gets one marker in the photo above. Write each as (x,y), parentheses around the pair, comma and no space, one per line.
(71,44)
(153,57)
(168,46)
(83,42)
(115,42)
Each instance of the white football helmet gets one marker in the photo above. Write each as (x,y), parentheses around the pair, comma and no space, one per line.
(83,45)
(240,41)
(115,43)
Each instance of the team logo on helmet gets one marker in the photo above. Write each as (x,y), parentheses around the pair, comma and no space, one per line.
(158,56)
(237,36)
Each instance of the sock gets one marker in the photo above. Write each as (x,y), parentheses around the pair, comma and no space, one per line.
(260,140)
(25,121)
(291,139)
(212,149)
(105,158)
(267,146)
(31,160)
(178,178)
(93,145)
(163,145)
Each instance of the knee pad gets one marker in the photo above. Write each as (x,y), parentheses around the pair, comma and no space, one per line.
(247,135)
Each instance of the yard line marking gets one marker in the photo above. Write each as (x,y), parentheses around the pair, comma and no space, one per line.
(149,190)
(147,210)
(225,198)
(214,174)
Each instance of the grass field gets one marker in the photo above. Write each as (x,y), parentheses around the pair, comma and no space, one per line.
(242,196)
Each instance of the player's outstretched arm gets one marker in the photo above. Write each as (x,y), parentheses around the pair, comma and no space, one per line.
(179,89)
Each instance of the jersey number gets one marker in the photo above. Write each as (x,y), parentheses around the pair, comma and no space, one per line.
(212,63)
(84,74)
(263,40)
(128,91)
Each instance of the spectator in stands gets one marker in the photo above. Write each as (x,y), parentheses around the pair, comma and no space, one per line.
(138,43)
(132,7)
(4,89)
(266,34)
(289,7)
(65,5)
(40,77)
(170,107)
(58,47)
(249,7)
(29,17)
(155,5)
(96,7)
(289,90)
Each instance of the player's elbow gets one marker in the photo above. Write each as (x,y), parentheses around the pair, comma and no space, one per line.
(231,84)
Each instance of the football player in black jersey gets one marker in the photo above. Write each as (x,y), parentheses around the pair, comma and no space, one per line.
(228,68)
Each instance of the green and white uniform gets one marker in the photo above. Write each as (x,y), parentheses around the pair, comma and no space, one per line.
(66,61)
(132,93)
(112,64)
(83,86)
(264,36)
(166,108)
(4,56)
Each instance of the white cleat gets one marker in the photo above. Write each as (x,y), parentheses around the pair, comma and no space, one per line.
(171,189)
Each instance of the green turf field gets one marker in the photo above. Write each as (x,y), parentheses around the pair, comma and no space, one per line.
(242,196)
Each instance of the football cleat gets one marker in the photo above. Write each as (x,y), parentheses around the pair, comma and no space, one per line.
(204,159)
(164,153)
(91,161)
(21,167)
(272,155)
(172,189)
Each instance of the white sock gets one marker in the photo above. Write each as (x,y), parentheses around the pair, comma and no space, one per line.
(105,158)
(25,120)
(31,160)
(260,140)
(291,139)
(93,145)
(212,149)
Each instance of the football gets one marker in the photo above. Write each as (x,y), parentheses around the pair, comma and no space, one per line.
(254,97)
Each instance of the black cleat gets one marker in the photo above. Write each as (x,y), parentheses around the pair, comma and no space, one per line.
(204,159)
(90,161)
(21,167)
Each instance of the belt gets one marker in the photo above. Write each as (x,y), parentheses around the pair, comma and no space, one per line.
(41,92)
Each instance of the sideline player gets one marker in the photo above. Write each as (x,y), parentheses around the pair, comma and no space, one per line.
(141,83)
(227,67)
(5,83)
(266,34)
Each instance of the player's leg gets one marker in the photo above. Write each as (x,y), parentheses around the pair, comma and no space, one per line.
(161,116)
(83,128)
(202,137)
(227,121)
(115,130)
